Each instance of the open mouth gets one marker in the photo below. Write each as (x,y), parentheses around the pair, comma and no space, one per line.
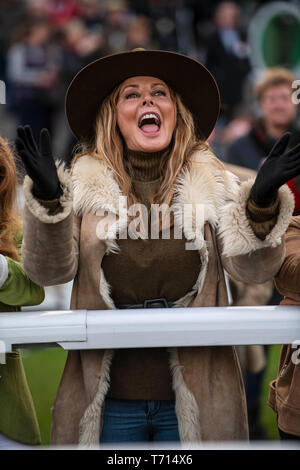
(150,123)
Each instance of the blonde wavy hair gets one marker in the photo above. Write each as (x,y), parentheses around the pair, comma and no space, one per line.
(108,146)
(9,221)
(273,76)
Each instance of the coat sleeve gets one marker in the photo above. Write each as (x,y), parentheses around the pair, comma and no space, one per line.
(18,289)
(50,241)
(246,257)
(288,277)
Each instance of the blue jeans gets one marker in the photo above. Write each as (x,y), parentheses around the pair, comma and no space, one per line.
(139,421)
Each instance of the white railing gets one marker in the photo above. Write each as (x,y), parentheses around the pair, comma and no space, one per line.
(136,328)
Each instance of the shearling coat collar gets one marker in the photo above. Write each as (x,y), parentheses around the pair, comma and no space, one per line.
(202,189)
(95,188)
(203,186)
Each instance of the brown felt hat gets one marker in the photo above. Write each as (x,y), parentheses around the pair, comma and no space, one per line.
(92,84)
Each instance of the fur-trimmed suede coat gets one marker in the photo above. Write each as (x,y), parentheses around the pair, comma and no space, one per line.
(209,392)
(284,392)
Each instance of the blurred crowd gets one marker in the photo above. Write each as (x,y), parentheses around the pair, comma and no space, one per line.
(43,44)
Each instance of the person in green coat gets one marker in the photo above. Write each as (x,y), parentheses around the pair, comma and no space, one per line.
(18,421)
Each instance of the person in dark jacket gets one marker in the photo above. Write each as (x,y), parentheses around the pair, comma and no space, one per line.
(228,56)
(273,92)
(32,74)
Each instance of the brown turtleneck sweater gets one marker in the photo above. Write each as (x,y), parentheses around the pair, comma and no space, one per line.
(147,269)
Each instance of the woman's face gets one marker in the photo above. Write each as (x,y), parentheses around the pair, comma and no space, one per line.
(146,114)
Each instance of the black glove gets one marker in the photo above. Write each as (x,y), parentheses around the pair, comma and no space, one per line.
(39,163)
(278,169)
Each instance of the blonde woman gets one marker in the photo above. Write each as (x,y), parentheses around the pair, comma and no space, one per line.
(142,118)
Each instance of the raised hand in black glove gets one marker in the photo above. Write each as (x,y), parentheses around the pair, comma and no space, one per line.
(278,169)
(39,163)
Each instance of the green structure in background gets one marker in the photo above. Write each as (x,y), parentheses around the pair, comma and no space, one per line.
(281,42)
(274,37)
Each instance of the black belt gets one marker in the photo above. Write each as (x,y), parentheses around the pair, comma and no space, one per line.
(150,303)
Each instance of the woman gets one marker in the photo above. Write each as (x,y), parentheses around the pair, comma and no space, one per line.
(143,141)
(284,396)
(18,420)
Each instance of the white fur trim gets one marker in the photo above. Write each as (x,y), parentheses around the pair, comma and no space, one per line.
(205,185)
(112,246)
(41,212)
(105,291)
(235,230)
(94,187)
(186,407)
(3,270)
(89,427)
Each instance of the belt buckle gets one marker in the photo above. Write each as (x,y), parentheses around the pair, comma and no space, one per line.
(160,303)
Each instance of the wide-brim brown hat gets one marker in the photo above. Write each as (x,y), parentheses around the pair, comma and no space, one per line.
(92,84)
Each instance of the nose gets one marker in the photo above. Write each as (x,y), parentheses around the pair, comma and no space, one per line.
(148,100)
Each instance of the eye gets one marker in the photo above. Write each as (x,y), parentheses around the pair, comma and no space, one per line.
(131,95)
(160,93)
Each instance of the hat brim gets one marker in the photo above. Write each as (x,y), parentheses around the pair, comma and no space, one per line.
(92,84)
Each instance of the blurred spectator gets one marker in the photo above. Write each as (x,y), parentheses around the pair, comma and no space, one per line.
(278,113)
(61,11)
(117,17)
(91,12)
(203,13)
(222,137)
(237,127)
(139,34)
(57,12)
(172,22)
(33,74)
(228,56)
(86,44)
(186,40)
(79,47)
(12,14)
(37,10)
(162,14)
